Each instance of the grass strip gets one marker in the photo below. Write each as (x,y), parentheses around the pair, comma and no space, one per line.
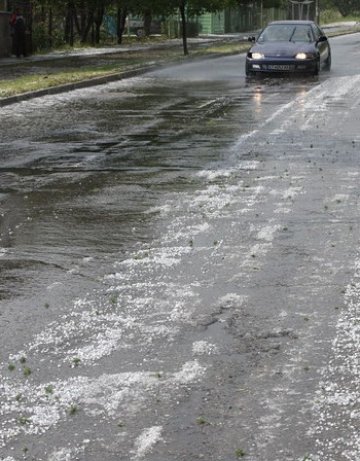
(28,83)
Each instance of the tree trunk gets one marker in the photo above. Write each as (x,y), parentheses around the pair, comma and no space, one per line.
(182,6)
(121,19)
(98,19)
(80,25)
(42,14)
(83,26)
(147,22)
(69,24)
(50,27)
(77,24)
(87,26)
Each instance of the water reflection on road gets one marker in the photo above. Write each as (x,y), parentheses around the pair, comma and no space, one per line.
(79,162)
(78,173)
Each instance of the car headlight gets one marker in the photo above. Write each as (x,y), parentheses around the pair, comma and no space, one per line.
(301,56)
(257,55)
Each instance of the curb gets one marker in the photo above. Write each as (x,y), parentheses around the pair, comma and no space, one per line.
(76,85)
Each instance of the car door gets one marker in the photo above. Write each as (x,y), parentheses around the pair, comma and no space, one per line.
(322,43)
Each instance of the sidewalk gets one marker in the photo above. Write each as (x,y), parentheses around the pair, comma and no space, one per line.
(103,51)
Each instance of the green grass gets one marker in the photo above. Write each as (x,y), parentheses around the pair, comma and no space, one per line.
(76,361)
(225,48)
(113,299)
(201,421)
(73,410)
(240,453)
(26,371)
(28,83)
(49,389)
(24,420)
(328,16)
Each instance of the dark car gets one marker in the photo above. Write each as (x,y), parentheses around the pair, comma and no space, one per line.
(289,46)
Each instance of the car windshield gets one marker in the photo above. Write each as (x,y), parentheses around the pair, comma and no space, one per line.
(286,33)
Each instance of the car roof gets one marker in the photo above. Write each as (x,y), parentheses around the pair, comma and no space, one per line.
(293,21)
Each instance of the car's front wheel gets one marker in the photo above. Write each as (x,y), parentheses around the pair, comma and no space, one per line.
(327,65)
(317,67)
(248,72)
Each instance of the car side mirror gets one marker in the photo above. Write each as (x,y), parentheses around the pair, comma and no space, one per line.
(251,38)
(323,38)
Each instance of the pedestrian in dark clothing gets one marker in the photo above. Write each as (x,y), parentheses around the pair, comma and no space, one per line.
(12,31)
(17,24)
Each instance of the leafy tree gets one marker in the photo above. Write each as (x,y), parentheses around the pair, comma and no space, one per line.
(347,7)
(82,19)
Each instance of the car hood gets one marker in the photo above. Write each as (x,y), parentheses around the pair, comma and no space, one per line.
(282,48)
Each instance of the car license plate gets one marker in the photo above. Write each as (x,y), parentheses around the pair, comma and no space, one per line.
(280,67)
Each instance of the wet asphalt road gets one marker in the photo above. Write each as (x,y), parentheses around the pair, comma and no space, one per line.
(180,269)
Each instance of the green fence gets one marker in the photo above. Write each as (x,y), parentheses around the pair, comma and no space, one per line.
(242,19)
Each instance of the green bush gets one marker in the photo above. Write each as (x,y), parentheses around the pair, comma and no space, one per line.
(331,15)
(41,40)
